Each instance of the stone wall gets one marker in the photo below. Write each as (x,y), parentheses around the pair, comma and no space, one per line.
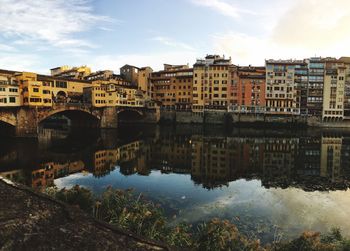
(109,118)
(27,122)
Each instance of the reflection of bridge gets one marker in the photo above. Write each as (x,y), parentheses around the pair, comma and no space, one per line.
(26,120)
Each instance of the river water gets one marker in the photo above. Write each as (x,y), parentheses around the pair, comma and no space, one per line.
(272,183)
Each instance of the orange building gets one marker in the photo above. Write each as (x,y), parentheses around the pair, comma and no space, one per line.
(172,87)
(247,90)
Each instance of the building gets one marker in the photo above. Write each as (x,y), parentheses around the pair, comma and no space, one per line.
(346,61)
(172,87)
(301,80)
(108,93)
(9,90)
(100,75)
(68,72)
(333,90)
(144,80)
(210,83)
(247,89)
(281,87)
(315,87)
(65,90)
(34,92)
(130,73)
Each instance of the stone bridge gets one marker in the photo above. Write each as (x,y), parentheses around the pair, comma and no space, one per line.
(26,120)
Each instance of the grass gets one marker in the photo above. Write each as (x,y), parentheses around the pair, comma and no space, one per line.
(136,214)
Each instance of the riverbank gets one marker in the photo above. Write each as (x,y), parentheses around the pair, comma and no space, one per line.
(34,221)
(219,117)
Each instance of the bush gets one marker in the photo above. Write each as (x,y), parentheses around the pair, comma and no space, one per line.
(136,214)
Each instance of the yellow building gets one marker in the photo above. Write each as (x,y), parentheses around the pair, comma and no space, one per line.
(68,72)
(34,92)
(334,90)
(210,83)
(109,93)
(9,90)
(64,90)
(43,91)
(143,80)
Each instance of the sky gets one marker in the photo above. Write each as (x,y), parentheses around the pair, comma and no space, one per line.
(106,34)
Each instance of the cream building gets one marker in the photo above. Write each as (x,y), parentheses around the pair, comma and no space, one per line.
(9,90)
(281,88)
(333,90)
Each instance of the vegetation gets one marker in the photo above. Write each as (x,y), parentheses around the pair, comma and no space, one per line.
(138,215)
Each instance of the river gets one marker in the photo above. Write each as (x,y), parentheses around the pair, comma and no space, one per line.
(272,183)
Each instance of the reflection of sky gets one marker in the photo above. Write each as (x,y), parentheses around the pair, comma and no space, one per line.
(247,202)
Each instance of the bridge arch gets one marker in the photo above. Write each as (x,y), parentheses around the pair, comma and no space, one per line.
(129,115)
(79,116)
(130,110)
(8,120)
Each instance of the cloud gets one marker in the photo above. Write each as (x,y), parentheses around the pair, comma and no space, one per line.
(55,22)
(173,43)
(6,48)
(155,60)
(223,7)
(246,49)
(21,62)
(314,24)
(300,30)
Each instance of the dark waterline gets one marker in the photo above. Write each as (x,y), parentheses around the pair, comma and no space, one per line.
(269,182)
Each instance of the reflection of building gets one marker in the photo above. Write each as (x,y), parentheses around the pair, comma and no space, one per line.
(48,172)
(309,156)
(279,160)
(14,175)
(127,156)
(213,161)
(331,149)
(172,154)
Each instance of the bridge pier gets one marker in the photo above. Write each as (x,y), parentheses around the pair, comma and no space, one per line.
(109,118)
(27,122)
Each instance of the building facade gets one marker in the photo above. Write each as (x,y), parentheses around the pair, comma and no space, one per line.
(247,89)
(9,90)
(210,83)
(281,88)
(333,90)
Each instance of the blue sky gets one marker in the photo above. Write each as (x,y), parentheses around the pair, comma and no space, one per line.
(106,34)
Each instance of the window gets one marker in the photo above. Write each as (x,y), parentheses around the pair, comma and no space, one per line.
(61,84)
(12,100)
(46,92)
(2,89)
(13,90)
(35,89)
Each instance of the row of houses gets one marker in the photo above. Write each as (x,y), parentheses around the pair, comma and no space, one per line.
(310,87)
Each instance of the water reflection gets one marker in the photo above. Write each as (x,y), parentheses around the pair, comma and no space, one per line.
(312,160)
(261,179)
